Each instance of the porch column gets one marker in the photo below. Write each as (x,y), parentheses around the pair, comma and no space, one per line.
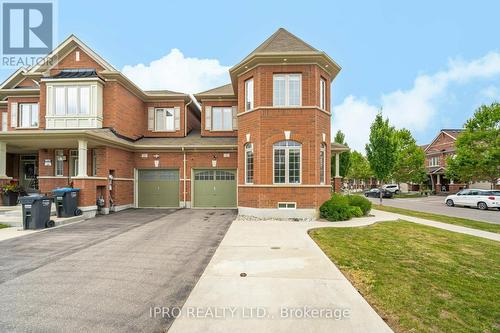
(452,182)
(82,158)
(438,181)
(3,160)
(337,165)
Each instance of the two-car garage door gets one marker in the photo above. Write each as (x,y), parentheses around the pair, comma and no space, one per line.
(212,188)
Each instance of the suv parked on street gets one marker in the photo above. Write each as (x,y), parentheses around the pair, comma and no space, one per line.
(482,199)
(393,188)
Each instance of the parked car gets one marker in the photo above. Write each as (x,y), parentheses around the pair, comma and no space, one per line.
(482,199)
(375,193)
(393,188)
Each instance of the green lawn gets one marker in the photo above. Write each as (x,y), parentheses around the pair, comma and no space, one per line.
(408,195)
(419,278)
(3,226)
(442,218)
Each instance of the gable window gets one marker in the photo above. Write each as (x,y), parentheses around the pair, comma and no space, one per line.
(322,163)
(322,94)
(164,120)
(222,118)
(59,163)
(287,89)
(248,94)
(71,100)
(287,162)
(434,161)
(28,115)
(249,163)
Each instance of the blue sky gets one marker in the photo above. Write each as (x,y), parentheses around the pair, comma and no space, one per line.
(429,64)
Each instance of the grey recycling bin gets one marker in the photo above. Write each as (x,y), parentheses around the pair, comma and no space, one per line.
(66,201)
(36,211)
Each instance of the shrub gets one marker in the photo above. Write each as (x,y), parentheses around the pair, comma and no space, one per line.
(364,204)
(355,211)
(339,199)
(333,211)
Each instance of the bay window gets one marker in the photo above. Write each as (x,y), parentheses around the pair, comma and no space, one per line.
(222,118)
(72,100)
(287,89)
(248,94)
(249,163)
(287,162)
(28,115)
(164,120)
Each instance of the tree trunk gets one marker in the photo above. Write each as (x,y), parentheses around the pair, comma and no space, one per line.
(380,191)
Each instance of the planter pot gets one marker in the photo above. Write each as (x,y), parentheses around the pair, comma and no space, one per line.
(10,198)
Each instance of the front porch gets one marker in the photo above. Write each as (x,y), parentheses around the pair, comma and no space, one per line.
(440,184)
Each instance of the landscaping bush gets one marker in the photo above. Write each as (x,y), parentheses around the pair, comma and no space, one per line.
(337,208)
(364,204)
(355,211)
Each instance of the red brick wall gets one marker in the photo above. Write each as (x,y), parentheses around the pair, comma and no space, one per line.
(69,62)
(443,142)
(193,120)
(205,103)
(268,197)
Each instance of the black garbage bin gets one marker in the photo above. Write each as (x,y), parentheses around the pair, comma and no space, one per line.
(36,211)
(66,201)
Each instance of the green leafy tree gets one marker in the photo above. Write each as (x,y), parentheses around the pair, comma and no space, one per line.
(410,161)
(345,157)
(381,150)
(359,168)
(478,148)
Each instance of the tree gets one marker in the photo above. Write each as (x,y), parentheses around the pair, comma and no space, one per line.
(344,156)
(410,161)
(478,148)
(381,150)
(359,168)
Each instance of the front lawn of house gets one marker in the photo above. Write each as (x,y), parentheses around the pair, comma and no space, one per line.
(419,278)
(3,226)
(442,218)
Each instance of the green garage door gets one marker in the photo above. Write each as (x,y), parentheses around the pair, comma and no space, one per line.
(215,188)
(158,188)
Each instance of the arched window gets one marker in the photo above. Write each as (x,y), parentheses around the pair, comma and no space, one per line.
(322,163)
(287,162)
(249,163)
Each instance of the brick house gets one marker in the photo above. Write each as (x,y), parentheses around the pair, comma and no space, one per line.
(260,143)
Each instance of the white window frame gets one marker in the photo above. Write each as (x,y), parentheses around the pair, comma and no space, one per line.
(322,164)
(63,112)
(58,159)
(20,115)
(287,162)
(287,89)
(249,149)
(73,163)
(287,205)
(249,95)
(165,117)
(222,109)
(322,94)
(434,161)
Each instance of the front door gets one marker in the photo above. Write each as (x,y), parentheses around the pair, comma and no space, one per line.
(29,173)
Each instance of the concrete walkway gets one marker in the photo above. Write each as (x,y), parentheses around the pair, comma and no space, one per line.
(287,275)
(386,216)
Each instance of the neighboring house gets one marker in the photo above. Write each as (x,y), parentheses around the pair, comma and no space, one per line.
(436,153)
(261,143)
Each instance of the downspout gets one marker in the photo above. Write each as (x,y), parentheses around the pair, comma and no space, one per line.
(184,176)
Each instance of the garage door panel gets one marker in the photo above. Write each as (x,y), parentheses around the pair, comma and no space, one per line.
(158,188)
(215,188)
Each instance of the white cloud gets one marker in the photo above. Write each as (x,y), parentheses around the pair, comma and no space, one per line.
(491,93)
(176,72)
(414,108)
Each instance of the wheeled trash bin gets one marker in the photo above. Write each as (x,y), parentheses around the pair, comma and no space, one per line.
(66,201)
(36,211)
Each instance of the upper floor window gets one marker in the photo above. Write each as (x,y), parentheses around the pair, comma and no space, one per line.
(248,94)
(249,163)
(322,163)
(164,120)
(287,162)
(287,89)
(222,118)
(322,94)
(72,100)
(28,115)
(434,161)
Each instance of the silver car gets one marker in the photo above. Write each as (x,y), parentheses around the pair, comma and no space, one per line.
(482,199)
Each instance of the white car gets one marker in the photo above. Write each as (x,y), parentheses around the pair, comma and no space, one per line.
(482,199)
(394,188)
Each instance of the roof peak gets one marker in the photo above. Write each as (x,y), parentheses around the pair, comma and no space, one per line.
(281,41)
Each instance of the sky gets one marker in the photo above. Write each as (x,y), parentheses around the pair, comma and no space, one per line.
(426,64)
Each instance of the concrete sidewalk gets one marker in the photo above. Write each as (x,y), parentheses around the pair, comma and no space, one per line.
(285,272)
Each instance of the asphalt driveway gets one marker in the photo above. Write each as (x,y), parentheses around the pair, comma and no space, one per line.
(435,204)
(105,274)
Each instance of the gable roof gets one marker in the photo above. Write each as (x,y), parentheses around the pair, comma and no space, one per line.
(283,41)
(221,91)
(453,133)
